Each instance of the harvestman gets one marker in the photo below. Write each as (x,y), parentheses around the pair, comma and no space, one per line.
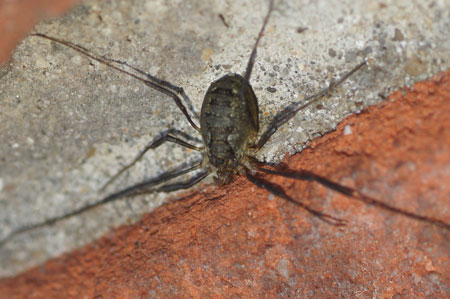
(229,126)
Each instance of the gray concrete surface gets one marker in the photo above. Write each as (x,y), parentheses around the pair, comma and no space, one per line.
(67,124)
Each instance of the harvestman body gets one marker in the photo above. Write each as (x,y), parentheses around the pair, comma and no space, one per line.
(229,126)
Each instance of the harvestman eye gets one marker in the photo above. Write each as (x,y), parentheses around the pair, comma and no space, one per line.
(230,130)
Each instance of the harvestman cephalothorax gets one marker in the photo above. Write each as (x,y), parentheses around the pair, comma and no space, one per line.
(230,129)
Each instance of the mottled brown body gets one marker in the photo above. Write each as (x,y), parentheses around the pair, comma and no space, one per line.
(228,124)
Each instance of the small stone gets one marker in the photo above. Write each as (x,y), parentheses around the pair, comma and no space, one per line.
(347,130)
(398,35)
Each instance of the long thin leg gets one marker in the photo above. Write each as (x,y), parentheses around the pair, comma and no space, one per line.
(152,145)
(130,191)
(352,193)
(145,187)
(181,134)
(289,112)
(155,85)
(183,185)
(179,90)
(278,191)
(251,61)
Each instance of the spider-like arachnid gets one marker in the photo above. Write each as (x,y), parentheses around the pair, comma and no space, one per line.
(230,129)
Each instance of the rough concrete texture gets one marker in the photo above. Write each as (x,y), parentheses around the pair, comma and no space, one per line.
(240,241)
(67,124)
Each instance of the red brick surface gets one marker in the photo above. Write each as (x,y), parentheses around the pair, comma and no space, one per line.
(238,242)
(17,18)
